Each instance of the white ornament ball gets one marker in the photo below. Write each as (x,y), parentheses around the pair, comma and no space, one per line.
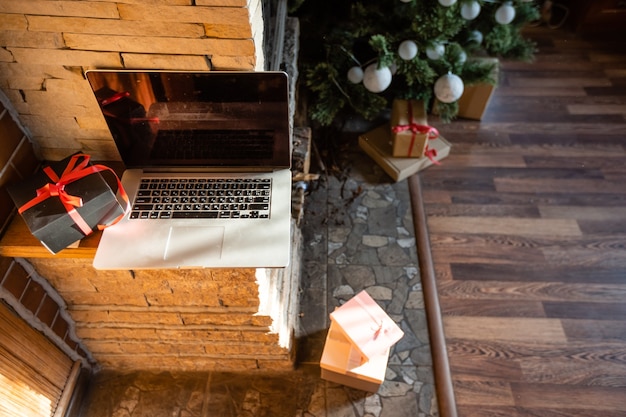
(407,50)
(405,1)
(505,14)
(449,88)
(355,74)
(376,79)
(447,3)
(462,58)
(475,36)
(436,51)
(470,11)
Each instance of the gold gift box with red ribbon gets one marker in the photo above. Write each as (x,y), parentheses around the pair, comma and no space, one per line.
(410,132)
(69,199)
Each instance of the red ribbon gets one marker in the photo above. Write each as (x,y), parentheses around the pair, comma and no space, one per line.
(75,170)
(431,153)
(415,128)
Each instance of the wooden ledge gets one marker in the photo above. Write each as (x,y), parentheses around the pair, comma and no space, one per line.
(19,242)
(441,367)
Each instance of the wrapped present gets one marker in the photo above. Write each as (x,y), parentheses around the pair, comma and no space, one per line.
(476,97)
(366,325)
(342,363)
(67,200)
(410,132)
(376,143)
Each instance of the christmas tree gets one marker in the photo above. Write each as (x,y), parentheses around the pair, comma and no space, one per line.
(360,55)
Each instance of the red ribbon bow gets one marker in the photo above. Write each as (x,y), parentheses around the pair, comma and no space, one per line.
(75,169)
(431,153)
(431,132)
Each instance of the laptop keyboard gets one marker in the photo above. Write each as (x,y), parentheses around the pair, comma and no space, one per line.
(185,198)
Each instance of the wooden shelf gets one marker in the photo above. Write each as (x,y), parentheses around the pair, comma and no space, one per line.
(18,242)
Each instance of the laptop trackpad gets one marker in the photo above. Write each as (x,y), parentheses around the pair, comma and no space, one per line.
(194,245)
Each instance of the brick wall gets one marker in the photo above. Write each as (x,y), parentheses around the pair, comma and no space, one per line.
(185,320)
(46,45)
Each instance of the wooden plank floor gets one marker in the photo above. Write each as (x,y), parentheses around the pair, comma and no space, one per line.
(527,222)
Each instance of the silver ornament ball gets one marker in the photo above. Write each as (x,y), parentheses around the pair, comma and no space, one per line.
(449,88)
(407,50)
(436,51)
(470,11)
(355,74)
(376,79)
(505,13)
(475,36)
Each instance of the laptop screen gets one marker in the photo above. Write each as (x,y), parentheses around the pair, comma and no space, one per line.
(196,119)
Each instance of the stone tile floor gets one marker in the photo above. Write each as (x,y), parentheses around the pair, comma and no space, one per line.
(358,234)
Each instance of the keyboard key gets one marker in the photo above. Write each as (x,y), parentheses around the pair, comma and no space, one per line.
(142,207)
(195,215)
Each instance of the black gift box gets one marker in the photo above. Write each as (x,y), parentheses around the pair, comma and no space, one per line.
(49,220)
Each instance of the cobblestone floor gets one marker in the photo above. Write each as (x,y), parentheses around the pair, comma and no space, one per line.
(358,234)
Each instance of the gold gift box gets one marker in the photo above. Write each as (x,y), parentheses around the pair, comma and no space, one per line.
(376,143)
(404,141)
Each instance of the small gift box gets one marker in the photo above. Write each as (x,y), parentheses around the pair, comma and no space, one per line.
(410,132)
(67,200)
(476,97)
(366,325)
(342,363)
(376,143)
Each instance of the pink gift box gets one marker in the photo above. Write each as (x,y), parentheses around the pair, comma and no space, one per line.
(342,363)
(366,325)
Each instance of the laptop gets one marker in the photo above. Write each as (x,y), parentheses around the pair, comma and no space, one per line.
(207,158)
